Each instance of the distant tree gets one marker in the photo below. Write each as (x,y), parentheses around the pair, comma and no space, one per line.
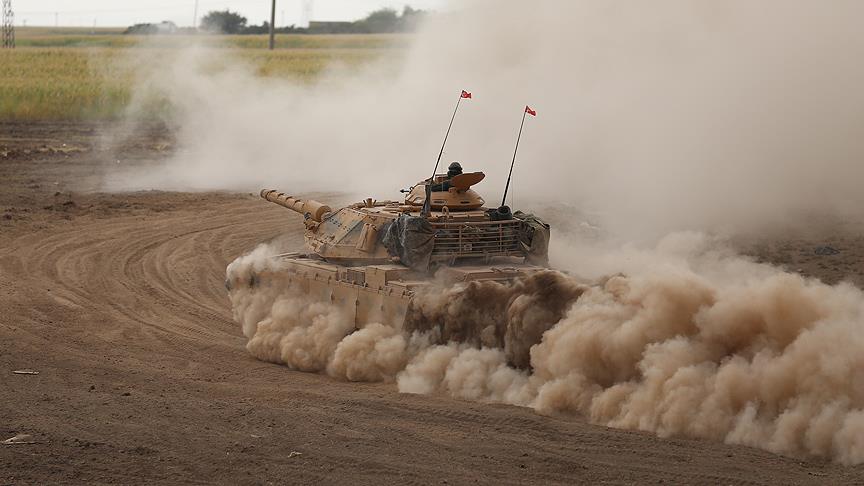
(411,18)
(164,27)
(379,21)
(223,22)
(388,20)
(141,29)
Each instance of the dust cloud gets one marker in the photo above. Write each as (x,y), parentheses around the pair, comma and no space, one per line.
(658,117)
(679,347)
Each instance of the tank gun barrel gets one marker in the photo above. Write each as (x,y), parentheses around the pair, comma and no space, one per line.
(314,209)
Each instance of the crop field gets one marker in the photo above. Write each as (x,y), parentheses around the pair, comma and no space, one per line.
(85,74)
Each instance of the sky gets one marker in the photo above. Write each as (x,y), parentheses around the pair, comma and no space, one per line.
(111,13)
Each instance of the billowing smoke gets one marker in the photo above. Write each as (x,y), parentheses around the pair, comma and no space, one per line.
(656,116)
(766,359)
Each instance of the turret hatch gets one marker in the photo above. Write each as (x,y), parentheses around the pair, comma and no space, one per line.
(454,192)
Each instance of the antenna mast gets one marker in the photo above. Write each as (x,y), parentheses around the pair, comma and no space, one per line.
(528,111)
(8,25)
(427,204)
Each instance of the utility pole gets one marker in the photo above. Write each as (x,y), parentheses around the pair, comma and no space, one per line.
(8,25)
(272,26)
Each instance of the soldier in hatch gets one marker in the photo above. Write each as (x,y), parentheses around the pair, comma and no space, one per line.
(452,171)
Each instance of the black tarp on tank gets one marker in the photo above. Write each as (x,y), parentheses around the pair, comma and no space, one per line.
(410,238)
(534,239)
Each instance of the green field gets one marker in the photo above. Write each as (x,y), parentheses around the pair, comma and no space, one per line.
(68,74)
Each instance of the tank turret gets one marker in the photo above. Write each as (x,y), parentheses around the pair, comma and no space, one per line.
(455,193)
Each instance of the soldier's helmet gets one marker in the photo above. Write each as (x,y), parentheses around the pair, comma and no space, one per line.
(454,169)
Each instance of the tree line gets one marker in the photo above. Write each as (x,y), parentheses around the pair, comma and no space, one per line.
(381,21)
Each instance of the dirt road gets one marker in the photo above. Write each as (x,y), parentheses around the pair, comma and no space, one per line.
(117,300)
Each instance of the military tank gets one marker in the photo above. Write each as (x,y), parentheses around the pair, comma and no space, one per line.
(373,257)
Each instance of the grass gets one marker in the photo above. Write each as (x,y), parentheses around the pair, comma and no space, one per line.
(72,74)
(57,83)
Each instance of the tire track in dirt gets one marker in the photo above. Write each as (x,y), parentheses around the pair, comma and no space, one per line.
(140,271)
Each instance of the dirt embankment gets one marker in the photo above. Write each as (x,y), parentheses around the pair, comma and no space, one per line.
(117,300)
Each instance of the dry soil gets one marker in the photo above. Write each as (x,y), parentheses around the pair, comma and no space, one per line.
(117,300)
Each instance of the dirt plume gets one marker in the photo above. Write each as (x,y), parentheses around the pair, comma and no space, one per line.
(510,316)
(768,360)
(767,363)
(374,353)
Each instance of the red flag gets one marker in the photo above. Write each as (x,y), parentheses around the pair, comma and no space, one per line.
(530,111)
(466,94)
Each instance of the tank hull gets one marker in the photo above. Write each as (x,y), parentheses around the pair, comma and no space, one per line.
(368,294)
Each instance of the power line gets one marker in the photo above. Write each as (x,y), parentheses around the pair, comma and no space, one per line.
(8,25)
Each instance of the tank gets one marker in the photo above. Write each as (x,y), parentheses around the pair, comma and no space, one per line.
(372,258)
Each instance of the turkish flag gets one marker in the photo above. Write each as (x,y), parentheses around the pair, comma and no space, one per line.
(530,111)
(466,94)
